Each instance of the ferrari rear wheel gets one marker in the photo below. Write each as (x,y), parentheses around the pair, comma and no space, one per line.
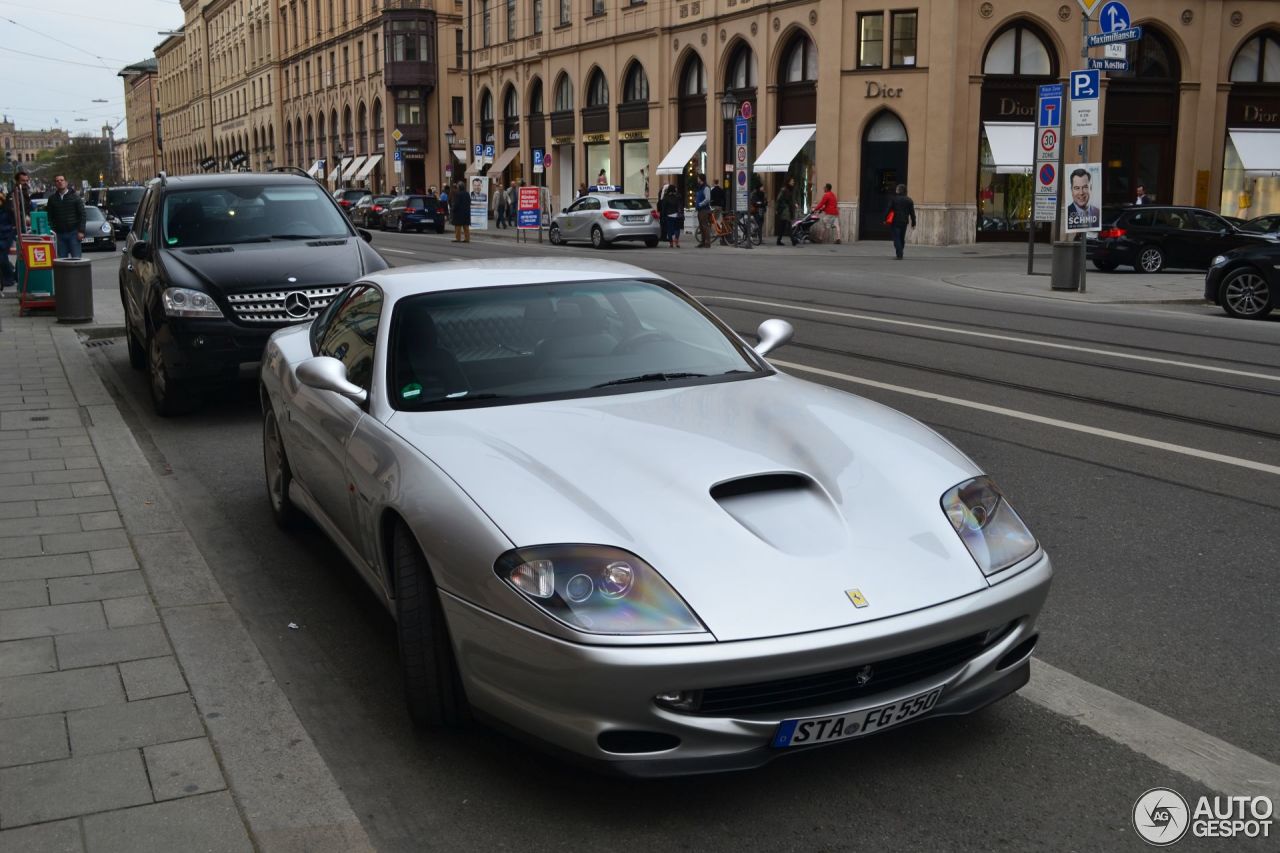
(279,475)
(432,685)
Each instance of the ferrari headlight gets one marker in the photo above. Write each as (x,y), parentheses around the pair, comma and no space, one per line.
(185,302)
(1218,260)
(988,526)
(597,589)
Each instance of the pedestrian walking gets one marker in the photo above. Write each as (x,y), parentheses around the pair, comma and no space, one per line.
(901,212)
(759,203)
(460,213)
(8,231)
(66,218)
(702,204)
(784,209)
(500,205)
(829,209)
(22,189)
(671,209)
(513,202)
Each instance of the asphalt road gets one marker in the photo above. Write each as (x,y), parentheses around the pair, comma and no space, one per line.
(1165,590)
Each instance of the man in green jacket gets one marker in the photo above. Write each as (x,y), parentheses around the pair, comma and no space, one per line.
(66,218)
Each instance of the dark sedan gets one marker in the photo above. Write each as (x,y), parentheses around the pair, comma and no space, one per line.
(413,213)
(1245,282)
(1269,224)
(1156,237)
(367,212)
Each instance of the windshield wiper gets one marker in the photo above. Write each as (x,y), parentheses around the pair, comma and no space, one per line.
(650,377)
(293,237)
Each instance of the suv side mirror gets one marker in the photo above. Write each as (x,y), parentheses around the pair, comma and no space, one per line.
(329,374)
(141,251)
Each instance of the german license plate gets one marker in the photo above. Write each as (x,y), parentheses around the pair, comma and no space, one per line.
(813,730)
(636,218)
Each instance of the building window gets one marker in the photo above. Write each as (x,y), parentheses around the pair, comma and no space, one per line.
(457,48)
(871,40)
(902,52)
(801,63)
(636,88)
(376,61)
(598,90)
(360,58)
(346,65)
(455,111)
(409,107)
(487,18)
(566,9)
(511,20)
(597,8)
(1017,51)
(537,17)
(1258,60)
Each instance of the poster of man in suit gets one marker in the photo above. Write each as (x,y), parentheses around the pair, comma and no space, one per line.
(1082,213)
(479,189)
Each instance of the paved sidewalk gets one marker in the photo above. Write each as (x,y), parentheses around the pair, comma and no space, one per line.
(136,714)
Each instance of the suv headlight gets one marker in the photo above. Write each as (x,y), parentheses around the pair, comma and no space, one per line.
(1218,260)
(597,589)
(988,526)
(185,302)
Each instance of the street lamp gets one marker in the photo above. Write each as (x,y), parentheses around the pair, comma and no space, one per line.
(450,137)
(729,107)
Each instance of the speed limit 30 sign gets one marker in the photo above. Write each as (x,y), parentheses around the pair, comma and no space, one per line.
(1047,144)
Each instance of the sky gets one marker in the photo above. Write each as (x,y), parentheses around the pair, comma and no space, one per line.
(59,56)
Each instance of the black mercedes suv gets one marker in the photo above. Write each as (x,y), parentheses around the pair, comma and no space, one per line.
(215,263)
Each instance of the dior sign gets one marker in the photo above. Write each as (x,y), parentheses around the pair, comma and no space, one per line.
(1260,114)
(1010,107)
(879,90)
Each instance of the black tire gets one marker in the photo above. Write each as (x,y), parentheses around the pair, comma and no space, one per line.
(651,242)
(1246,295)
(432,686)
(553,234)
(278,474)
(169,396)
(754,231)
(799,236)
(597,238)
(1150,259)
(1105,266)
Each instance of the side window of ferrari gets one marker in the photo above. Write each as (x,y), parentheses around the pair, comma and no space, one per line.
(351,335)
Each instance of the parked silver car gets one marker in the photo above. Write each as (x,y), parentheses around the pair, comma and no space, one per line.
(604,218)
(602,518)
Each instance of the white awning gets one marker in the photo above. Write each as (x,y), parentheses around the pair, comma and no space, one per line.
(460,154)
(503,160)
(341,166)
(367,167)
(779,153)
(316,168)
(349,170)
(1259,151)
(687,145)
(1012,146)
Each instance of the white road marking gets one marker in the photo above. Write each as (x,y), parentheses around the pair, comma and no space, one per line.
(1039,419)
(1272,377)
(1212,761)
(397,251)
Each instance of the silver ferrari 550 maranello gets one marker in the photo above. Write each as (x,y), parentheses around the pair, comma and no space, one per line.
(602,519)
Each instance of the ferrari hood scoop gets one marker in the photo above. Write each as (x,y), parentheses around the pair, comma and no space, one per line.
(787,511)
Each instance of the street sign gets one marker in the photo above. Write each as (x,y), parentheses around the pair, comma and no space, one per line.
(546,160)
(1046,208)
(1089,5)
(1131,34)
(1109,64)
(399,155)
(1115,51)
(1050,112)
(488,152)
(396,134)
(1046,178)
(1047,144)
(746,109)
(1085,86)
(740,131)
(537,161)
(742,165)
(1114,17)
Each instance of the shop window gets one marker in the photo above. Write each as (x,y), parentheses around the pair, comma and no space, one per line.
(871,40)
(902,52)
(1258,60)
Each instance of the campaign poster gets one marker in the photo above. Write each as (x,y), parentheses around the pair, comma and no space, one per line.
(1083,193)
(528,208)
(478,186)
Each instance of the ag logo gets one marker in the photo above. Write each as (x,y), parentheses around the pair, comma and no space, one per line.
(1161,817)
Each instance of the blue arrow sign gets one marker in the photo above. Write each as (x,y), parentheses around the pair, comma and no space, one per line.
(1113,17)
(1085,85)
(1131,34)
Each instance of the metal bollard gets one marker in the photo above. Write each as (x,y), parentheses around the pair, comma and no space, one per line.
(73,290)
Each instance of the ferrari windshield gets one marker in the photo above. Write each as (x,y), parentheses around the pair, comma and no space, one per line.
(250,214)
(516,344)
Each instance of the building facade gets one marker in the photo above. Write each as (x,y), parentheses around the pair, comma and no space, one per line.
(940,97)
(142,155)
(23,146)
(186,140)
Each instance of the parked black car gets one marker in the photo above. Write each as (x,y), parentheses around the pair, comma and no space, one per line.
(413,213)
(1151,238)
(346,197)
(98,233)
(118,204)
(1245,282)
(215,263)
(1269,224)
(367,212)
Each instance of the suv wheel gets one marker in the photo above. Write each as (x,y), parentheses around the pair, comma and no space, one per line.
(169,396)
(1246,295)
(1150,259)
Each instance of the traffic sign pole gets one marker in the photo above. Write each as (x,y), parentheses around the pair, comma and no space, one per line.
(1084,52)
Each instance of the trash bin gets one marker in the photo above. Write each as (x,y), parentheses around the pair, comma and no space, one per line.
(73,290)
(1066,266)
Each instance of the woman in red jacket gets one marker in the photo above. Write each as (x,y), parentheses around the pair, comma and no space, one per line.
(830,212)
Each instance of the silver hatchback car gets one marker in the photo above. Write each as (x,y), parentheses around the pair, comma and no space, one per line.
(604,218)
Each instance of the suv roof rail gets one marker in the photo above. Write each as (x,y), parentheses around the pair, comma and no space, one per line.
(295,170)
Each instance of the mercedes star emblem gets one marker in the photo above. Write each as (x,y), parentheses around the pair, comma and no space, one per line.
(297,304)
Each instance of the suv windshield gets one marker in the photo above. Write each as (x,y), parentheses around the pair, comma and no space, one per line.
(249,214)
(514,344)
(124,201)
